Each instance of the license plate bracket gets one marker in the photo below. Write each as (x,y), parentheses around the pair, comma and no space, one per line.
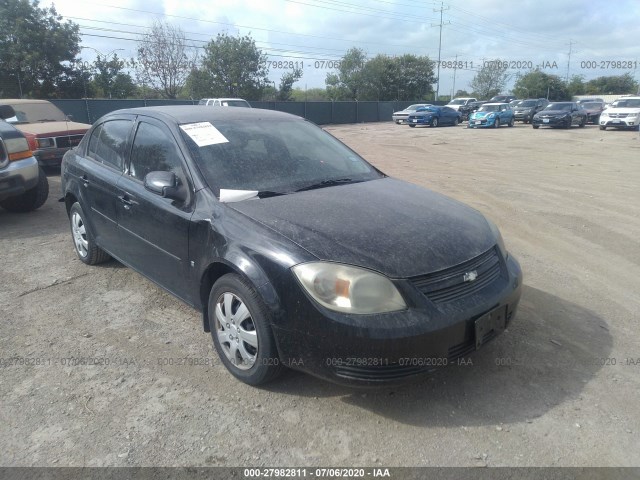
(494,320)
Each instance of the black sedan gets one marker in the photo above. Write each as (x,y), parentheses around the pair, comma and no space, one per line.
(434,116)
(560,115)
(298,252)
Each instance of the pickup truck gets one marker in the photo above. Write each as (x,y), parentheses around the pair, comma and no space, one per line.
(463,105)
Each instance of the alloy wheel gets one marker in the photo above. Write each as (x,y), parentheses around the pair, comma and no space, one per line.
(79,234)
(236,331)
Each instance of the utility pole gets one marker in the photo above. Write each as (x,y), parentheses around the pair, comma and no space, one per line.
(441,9)
(455,67)
(569,61)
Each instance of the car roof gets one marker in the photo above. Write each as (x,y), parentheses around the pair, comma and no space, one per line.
(182,114)
(494,103)
(20,101)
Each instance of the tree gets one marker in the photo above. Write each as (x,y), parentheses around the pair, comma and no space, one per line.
(613,85)
(349,79)
(490,79)
(36,50)
(286,84)
(234,67)
(408,77)
(165,60)
(537,84)
(575,86)
(310,95)
(110,79)
(462,93)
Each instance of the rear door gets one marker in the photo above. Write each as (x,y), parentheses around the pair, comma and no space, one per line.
(101,170)
(154,231)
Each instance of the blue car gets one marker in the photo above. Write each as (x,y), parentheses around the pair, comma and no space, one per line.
(492,115)
(434,116)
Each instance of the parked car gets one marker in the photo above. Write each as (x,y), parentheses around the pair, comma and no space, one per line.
(560,115)
(263,221)
(526,109)
(588,100)
(49,132)
(515,103)
(464,105)
(623,113)
(434,116)
(224,102)
(492,115)
(23,185)
(401,116)
(502,98)
(593,111)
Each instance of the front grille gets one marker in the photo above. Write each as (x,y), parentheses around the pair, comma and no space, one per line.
(618,115)
(381,372)
(450,284)
(68,141)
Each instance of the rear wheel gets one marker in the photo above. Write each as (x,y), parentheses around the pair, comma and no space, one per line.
(434,122)
(31,199)
(241,331)
(456,122)
(512,122)
(496,123)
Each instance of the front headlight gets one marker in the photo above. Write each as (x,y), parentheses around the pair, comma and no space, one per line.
(498,237)
(45,142)
(348,289)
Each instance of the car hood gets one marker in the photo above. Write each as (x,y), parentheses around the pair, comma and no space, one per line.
(621,110)
(403,112)
(53,128)
(387,225)
(552,113)
(481,114)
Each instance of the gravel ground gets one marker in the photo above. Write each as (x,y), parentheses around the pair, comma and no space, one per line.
(560,388)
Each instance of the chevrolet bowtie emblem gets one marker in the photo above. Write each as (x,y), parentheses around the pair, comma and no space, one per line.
(470,276)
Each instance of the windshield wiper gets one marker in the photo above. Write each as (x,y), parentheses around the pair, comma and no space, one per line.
(46,120)
(327,183)
(269,193)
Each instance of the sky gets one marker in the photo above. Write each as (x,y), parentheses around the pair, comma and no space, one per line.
(562,37)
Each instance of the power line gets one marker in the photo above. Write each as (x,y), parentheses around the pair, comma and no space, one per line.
(439,47)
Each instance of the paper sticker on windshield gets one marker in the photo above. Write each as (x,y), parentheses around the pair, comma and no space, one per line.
(203,133)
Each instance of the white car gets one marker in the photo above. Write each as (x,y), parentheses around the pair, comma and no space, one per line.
(623,113)
(456,103)
(224,102)
(401,116)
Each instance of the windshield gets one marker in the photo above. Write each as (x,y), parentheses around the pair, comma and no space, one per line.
(279,156)
(457,102)
(415,107)
(36,112)
(528,103)
(559,106)
(489,108)
(629,103)
(235,103)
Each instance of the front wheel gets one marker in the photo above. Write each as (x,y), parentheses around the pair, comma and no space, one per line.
(535,126)
(456,122)
(496,123)
(83,240)
(31,199)
(583,122)
(411,125)
(603,127)
(241,331)
(434,122)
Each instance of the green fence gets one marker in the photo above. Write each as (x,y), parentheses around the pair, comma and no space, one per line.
(321,113)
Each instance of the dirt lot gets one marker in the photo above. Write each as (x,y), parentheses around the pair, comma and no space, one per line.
(559,388)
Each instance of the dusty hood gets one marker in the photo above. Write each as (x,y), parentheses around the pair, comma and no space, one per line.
(387,225)
(53,128)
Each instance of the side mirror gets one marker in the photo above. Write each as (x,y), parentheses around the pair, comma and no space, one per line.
(7,111)
(164,184)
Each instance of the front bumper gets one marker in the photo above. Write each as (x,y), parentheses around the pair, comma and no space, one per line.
(18,177)
(400,118)
(50,157)
(481,122)
(522,116)
(393,348)
(627,122)
(551,121)
(418,121)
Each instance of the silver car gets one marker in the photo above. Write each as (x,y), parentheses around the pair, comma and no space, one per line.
(401,116)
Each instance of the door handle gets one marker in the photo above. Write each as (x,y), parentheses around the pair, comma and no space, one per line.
(85,180)
(127,201)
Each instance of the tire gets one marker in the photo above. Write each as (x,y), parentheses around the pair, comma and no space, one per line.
(434,122)
(411,125)
(568,124)
(603,127)
(536,126)
(248,349)
(496,123)
(512,122)
(31,199)
(583,122)
(85,246)
(456,122)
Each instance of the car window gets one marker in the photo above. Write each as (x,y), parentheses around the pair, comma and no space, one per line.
(153,150)
(109,147)
(93,143)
